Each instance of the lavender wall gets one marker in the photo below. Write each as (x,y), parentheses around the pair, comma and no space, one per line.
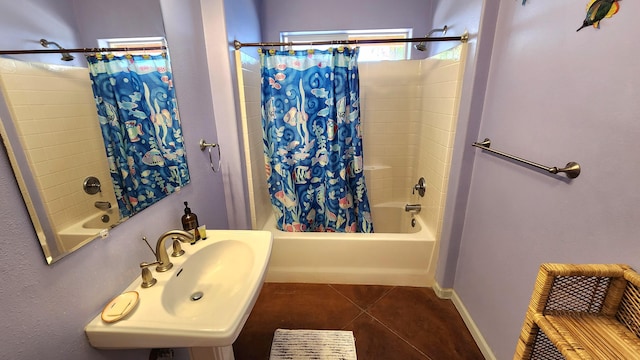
(99,19)
(310,15)
(242,19)
(478,20)
(47,307)
(25,23)
(552,95)
(230,20)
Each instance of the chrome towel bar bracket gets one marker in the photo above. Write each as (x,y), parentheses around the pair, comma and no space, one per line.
(572,169)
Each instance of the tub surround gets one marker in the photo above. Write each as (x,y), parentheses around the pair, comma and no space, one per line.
(409,117)
(248,73)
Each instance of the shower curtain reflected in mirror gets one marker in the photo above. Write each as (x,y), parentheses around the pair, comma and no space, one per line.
(313,141)
(138,115)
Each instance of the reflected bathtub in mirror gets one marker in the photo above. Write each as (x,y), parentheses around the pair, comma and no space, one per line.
(77,234)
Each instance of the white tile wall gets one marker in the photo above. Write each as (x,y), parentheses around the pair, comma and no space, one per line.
(249,77)
(441,76)
(391,105)
(55,116)
(408,112)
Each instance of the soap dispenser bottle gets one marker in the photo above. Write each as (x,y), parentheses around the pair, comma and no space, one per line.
(190,222)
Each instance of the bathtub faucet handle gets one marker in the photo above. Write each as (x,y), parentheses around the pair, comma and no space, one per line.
(420,187)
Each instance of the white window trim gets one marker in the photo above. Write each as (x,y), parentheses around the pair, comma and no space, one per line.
(134,42)
(310,36)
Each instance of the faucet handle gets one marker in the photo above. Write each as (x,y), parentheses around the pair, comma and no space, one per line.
(147,278)
(177,248)
(421,187)
(144,265)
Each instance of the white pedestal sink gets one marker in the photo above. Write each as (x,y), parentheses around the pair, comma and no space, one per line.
(201,303)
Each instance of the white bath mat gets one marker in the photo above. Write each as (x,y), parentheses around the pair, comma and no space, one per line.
(313,345)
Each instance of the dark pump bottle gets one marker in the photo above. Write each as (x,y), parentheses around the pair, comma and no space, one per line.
(190,222)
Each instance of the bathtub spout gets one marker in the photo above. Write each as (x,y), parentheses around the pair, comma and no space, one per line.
(413,208)
(102,205)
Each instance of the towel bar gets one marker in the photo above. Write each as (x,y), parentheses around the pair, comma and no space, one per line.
(572,169)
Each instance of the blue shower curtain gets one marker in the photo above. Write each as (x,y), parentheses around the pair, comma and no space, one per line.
(313,141)
(138,115)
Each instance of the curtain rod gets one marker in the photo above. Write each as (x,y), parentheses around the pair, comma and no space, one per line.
(464,38)
(80,50)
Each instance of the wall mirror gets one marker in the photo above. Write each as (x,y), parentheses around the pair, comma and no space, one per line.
(87,152)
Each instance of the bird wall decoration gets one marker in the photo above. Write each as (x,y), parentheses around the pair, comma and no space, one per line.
(598,10)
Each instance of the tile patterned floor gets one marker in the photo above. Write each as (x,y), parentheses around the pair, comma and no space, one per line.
(389,323)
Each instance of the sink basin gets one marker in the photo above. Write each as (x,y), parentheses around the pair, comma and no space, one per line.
(194,291)
(202,302)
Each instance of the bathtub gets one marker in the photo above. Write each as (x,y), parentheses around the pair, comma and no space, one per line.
(396,254)
(86,229)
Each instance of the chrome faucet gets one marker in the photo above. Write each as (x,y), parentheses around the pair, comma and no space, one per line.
(102,205)
(161,250)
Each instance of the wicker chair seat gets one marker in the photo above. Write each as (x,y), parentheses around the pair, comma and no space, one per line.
(580,312)
(592,336)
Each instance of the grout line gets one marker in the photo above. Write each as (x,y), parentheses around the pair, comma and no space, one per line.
(358,306)
(390,329)
(344,296)
(362,311)
(427,357)
(366,311)
(380,298)
(353,320)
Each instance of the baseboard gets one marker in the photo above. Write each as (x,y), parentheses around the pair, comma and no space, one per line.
(466,317)
(442,293)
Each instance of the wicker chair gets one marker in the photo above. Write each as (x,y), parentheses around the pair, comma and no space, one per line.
(582,312)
